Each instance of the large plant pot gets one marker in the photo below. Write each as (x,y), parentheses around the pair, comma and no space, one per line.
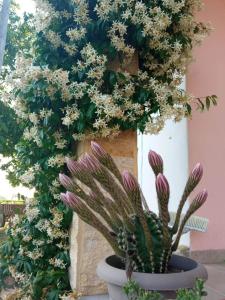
(187,271)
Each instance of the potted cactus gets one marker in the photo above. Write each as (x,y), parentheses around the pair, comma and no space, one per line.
(143,241)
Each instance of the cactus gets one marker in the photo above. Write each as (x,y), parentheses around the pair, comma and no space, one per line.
(113,203)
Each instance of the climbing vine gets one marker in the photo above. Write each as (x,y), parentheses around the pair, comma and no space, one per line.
(75,84)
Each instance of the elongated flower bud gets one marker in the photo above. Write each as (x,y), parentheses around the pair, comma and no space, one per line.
(199,200)
(72,199)
(129,181)
(196,174)
(66,181)
(65,199)
(195,205)
(162,187)
(73,166)
(156,162)
(98,151)
(191,184)
(90,162)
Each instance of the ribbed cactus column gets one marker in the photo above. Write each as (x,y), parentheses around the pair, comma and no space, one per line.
(87,246)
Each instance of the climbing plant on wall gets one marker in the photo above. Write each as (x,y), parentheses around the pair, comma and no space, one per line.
(67,90)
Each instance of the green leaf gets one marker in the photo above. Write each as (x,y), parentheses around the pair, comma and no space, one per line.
(112,78)
(189,109)
(53,295)
(207,103)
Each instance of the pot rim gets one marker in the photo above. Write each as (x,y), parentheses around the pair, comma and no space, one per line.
(155,281)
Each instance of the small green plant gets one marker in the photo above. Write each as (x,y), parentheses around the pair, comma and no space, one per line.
(114,204)
(135,292)
(196,294)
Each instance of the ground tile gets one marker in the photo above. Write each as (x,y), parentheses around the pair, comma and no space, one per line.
(216,279)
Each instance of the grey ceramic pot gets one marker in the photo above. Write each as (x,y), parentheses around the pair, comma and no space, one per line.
(110,270)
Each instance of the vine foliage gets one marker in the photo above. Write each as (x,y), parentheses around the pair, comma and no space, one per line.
(64,88)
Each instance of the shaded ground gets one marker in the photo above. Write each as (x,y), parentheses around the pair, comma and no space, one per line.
(216,282)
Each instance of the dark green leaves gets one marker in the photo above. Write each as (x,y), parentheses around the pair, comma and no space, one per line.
(206,103)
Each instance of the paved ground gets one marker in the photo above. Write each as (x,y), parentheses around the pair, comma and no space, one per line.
(216,282)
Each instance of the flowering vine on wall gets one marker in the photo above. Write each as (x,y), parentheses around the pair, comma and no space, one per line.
(69,90)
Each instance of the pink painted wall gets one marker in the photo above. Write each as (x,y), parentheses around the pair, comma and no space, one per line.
(207,130)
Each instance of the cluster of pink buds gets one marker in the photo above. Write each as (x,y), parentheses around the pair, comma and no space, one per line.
(99,173)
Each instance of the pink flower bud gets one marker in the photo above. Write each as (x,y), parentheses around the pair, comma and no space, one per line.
(73,166)
(98,151)
(65,199)
(156,162)
(72,199)
(66,181)
(200,199)
(129,181)
(162,187)
(196,174)
(90,163)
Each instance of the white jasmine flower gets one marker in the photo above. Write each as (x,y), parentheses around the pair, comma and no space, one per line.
(58,160)
(58,263)
(76,34)
(71,115)
(28,177)
(32,213)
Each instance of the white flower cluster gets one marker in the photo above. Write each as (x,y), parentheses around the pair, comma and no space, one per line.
(35,254)
(32,213)
(27,238)
(117,34)
(38,243)
(60,142)
(57,263)
(15,230)
(44,14)
(52,228)
(76,34)
(58,160)
(15,220)
(71,115)
(32,134)
(119,105)
(31,210)
(19,277)
(81,12)
(28,177)
(57,217)
(142,94)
